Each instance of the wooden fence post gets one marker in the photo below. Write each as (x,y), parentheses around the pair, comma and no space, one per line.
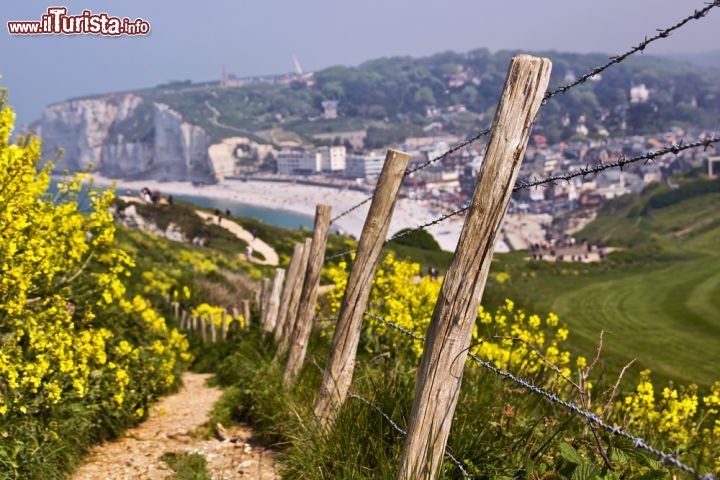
(291,278)
(213,329)
(203,329)
(193,322)
(224,326)
(308,297)
(341,361)
(273,304)
(246,313)
(264,296)
(294,303)
(443,360)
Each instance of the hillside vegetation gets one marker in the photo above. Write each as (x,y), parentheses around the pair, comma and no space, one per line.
(391,98)
(658,298)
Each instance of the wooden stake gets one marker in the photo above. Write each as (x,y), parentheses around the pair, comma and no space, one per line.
(308,297)
(441,367)
(341,361)
(292,274)
(203,330)
(294,303)
(264,297)
(224,325)
(274,302)
(246,313)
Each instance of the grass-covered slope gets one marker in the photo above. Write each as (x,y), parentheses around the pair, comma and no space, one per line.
(658,299)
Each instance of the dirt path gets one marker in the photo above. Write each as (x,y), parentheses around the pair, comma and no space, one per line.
(271,256)
(170,427)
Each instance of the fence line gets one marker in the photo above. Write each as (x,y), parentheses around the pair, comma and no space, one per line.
(402,432)
(552,397)
(661,33)
(664,33)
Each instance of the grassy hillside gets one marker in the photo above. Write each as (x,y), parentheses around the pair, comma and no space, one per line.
(658,299)
(390,98)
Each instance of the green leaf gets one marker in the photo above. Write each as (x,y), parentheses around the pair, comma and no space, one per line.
(618,456)
(654,475)
(569,453)
(586,471)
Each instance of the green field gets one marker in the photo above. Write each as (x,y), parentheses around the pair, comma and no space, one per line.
(658,300)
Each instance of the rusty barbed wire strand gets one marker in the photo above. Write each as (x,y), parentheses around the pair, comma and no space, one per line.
(409,171)
(552,397)
(402,432)
(661,33)
(445,154)
(552,179)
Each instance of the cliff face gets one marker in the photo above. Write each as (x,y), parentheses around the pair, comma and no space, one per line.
(124,136)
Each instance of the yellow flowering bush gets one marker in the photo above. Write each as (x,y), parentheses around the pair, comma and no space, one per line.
(534,347)
(676,416)
(69,334)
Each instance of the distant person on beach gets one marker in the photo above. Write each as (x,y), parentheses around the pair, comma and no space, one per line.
(254,233)
(227,213)
(248,253)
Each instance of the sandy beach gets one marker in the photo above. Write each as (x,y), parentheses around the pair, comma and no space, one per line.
(303,198)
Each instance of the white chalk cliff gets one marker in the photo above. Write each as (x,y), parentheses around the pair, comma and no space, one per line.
(124,136)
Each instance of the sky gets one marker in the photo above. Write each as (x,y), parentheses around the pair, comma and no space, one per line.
(194,40)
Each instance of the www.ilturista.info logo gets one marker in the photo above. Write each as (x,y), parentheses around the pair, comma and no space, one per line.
(57,22)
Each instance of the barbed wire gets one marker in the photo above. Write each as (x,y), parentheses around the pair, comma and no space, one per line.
(552,179)
(402,432)
(449,152)
(661,33)
(620,163)
(615,430)
(425,164)
(351,209)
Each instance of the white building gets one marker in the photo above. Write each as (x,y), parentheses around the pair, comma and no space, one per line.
(639,94)
(298,162)
(368,165)
(329,109)
(333,159)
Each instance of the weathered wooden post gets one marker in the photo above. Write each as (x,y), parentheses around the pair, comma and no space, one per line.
(224,325)
(294,303)
(292,274)
(441,367)
(273,304)
(213,329)
(184,319)
(341,361)
(176,309)
(308,297)
(203,329)
(264,298)
(246,313)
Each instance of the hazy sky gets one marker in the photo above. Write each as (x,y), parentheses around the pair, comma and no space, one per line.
(193,39)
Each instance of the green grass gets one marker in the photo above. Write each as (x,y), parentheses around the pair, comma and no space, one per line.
(499,431)
(658,300)
(187,466)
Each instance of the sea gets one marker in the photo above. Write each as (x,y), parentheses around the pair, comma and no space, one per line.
(279,218)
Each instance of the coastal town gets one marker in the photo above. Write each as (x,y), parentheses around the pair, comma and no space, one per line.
(344,169)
